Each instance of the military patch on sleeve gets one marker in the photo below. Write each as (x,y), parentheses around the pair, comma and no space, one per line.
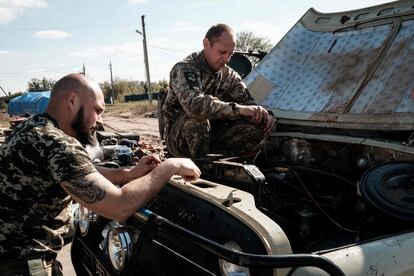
(192,79)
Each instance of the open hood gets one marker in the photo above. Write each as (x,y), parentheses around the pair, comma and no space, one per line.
(350,70)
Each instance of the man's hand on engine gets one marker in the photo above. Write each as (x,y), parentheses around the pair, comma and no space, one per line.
(257,114)
(145,165)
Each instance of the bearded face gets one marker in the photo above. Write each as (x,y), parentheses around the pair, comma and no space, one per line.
(84,133)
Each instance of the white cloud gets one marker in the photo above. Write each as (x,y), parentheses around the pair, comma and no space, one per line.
(129,47)
(159,41)
(50,34)
(4,53)
(184,26)
(262,29)
(137,1)
(206,4)
(10,9)
(35,71)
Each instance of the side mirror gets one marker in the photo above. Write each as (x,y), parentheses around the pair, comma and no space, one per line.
(241,64)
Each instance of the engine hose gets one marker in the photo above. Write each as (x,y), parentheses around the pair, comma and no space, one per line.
(351,185)
(317,204)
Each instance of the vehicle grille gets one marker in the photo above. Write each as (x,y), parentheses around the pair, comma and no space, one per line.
(174,213)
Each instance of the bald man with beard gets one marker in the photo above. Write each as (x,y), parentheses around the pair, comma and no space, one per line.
(43,165)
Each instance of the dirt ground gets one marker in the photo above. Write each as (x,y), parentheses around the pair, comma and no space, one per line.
(146,126)
(4,118)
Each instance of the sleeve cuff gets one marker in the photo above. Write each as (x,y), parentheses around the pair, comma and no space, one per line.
(234,108)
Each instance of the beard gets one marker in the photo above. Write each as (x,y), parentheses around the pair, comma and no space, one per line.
(84,134)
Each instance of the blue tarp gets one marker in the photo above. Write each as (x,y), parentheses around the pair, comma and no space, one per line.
(30,103)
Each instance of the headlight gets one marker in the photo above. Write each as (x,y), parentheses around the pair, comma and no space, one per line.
(227,268)
(119,247)
(86,218)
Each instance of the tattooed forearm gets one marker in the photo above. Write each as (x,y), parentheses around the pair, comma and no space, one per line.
(85,189)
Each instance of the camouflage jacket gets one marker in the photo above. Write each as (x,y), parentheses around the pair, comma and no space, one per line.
(34,159)
(197,90)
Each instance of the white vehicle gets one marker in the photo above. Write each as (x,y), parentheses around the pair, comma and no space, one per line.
(333,192)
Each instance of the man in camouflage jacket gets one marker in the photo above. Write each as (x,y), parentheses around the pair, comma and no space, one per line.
(43,164)
(208,108)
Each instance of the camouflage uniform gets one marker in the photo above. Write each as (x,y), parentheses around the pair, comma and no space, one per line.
(199,111)
(34,208)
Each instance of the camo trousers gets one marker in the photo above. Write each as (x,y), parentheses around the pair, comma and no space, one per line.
(30,267)
(190,137)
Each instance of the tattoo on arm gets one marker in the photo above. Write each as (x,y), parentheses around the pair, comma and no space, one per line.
(85,189)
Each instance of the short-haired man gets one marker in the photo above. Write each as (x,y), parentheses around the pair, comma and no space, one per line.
(43,164)
(208,108)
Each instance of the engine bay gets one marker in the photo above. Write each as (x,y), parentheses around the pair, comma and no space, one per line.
(311,189)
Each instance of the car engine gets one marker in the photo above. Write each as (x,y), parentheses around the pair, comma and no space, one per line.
(311,188)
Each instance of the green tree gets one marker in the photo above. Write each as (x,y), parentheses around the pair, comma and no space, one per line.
(128,87)
(44,84)
(249,42)
(121,88)
(4,100)
(3,105)
(157,86)
(14,95)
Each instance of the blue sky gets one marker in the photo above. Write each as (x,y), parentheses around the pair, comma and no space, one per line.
(45,38)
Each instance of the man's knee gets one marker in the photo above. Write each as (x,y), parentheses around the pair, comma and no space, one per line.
(188,137)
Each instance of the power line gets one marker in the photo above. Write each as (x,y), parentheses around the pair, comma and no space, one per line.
(167,54)
(105,58)
(166,49)
(64,27)
(197,18)
(63,68)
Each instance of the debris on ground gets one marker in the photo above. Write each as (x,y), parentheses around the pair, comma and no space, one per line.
(145,148)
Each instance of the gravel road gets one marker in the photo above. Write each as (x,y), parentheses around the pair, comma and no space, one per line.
(146,126)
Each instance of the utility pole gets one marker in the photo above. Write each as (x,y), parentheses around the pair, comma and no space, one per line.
(84,70)
(112,83)
(147,72)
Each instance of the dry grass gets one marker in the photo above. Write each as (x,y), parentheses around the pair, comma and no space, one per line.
(131,108)
(4,119)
